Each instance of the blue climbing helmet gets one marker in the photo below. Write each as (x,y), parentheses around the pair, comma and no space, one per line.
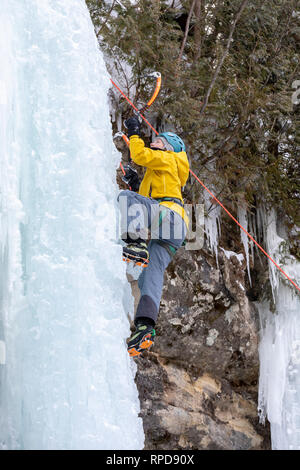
(173,139)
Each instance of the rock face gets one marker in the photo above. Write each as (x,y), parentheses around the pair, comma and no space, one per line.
(198,385)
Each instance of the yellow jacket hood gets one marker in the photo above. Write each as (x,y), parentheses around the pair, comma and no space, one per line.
(182,166)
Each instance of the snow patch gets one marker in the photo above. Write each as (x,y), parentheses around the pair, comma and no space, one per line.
(212,336)
(229,254)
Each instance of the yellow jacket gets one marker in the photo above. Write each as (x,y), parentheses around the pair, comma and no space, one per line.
(167,172)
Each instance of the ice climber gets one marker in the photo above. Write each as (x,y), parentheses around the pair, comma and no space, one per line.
(154,205)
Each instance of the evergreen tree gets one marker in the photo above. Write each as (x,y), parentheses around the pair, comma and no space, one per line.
(228,68)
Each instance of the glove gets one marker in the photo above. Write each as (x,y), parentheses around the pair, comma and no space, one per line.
(133,126)
(131,178)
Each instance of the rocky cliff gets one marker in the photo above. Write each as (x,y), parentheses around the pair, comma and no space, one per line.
(198,384)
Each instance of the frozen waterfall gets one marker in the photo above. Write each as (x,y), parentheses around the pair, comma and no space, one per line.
(66,381)
(279,381)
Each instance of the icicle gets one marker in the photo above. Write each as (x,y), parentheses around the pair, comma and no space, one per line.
(242,218)
(212,224)
(267,226)
(253,231)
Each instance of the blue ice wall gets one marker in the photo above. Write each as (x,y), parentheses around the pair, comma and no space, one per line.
(66,381)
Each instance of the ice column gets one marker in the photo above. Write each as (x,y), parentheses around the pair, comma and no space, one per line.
(66,381)
(243,220)
(212,223)
(279,350)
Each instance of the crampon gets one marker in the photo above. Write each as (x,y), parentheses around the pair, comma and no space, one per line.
(142,339)
(136,253)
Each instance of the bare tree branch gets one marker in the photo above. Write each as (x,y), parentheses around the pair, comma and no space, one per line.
(106,19)
(187,27)
(198,29)
(219,66)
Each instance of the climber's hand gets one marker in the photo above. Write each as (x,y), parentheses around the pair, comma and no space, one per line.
(131,178)
(133,126)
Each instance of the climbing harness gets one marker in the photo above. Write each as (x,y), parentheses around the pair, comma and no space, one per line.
(214,197)
(158,223)
(171,199)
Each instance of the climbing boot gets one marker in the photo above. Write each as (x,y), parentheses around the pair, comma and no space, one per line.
(137,252)
(142,339)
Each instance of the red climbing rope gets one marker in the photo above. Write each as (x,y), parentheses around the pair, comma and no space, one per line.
(223,207)
(134,107)
(248,234)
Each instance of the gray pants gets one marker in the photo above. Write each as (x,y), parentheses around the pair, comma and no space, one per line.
(168,231)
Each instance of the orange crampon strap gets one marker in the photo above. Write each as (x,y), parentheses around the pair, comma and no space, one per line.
(146,343)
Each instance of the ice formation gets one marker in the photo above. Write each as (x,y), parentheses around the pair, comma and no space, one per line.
(66,381)
(212,225)
(243,220)
(279,350)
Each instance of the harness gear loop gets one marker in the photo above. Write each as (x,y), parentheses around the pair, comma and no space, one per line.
(170,248)
(171,199)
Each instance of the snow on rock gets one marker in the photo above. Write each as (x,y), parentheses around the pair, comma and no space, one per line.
(229,254)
